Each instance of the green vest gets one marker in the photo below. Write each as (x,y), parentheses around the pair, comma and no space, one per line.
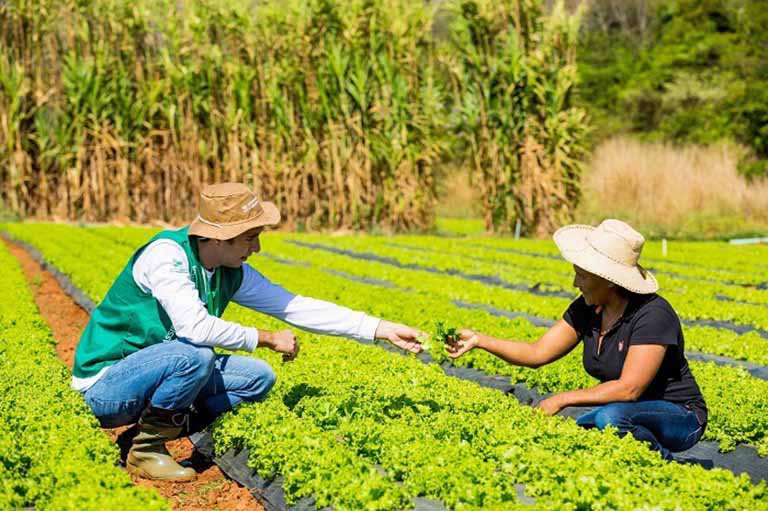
(129,319)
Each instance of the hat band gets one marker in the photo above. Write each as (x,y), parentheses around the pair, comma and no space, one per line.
(609,256)
(229,224)
(643,271)
(201,219)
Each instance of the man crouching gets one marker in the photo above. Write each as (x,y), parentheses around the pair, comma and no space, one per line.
(147,356)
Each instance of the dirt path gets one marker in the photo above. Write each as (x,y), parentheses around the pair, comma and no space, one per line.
(211,490)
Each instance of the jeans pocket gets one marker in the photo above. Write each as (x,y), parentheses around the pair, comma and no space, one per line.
(112,414)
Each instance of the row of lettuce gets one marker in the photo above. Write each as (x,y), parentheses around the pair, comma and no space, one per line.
(483,267)
(737,283)
(707,259)
(727,263)
(53,456)
(399,429)
(466,285)
(738,402)
(693,297)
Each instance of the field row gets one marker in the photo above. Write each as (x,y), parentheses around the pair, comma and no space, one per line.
(53,456)
(744,263)
(717,341)
(694,298)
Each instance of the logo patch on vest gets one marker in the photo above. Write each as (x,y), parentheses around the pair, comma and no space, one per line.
(170,335)
(621,345)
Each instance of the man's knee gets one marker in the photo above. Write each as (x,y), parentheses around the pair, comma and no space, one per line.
(612,415)
(264,379)
(199,361)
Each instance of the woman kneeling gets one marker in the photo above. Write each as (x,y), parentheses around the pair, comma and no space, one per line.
(633,343)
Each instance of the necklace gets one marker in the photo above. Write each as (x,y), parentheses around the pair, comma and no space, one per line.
(612,322)
(605,330)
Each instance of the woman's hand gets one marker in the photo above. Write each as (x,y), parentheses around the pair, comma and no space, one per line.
(468,340)
(551,405)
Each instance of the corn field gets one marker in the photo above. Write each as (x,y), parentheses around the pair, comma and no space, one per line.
(340,111)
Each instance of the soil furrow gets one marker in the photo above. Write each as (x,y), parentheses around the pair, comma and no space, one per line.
(212,489)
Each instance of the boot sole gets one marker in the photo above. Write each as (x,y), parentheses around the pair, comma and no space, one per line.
(133,469)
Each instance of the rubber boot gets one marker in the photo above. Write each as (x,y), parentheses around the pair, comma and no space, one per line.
(148,456)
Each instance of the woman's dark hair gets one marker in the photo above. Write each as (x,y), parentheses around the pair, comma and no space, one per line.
(626,293)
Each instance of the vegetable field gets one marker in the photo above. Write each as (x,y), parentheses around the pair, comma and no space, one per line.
(355,426)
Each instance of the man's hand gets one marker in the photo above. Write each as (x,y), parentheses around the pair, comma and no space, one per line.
(283,342)
(402,336)
(468,340)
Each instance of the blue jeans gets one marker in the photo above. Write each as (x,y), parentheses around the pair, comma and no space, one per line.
(666,426)
(173,375)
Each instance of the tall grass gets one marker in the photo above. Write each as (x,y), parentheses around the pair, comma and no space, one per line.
(513,72)
(336,109)
(667,190)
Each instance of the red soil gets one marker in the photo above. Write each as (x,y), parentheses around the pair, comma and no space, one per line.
(211,489)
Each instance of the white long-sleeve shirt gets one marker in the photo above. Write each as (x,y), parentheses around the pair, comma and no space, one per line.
(162,269)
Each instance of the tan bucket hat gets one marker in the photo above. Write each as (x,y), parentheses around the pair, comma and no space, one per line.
(229,209)
(610,250)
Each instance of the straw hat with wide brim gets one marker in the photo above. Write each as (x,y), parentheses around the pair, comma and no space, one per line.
(229,209)
(610,250)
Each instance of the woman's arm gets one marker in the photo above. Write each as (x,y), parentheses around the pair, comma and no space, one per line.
(555,344)
(640,367)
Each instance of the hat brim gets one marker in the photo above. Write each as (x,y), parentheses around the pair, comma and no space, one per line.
(270,216)
(574,247)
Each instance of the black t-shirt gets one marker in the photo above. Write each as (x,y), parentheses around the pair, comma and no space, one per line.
(647,319)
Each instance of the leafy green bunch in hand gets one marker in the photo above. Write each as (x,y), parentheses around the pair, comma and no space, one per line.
(442,336)
(446,335)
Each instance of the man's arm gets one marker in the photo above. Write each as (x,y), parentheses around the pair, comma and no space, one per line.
(319,316)
(162,269)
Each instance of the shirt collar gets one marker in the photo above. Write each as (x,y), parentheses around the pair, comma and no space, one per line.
(636,301)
